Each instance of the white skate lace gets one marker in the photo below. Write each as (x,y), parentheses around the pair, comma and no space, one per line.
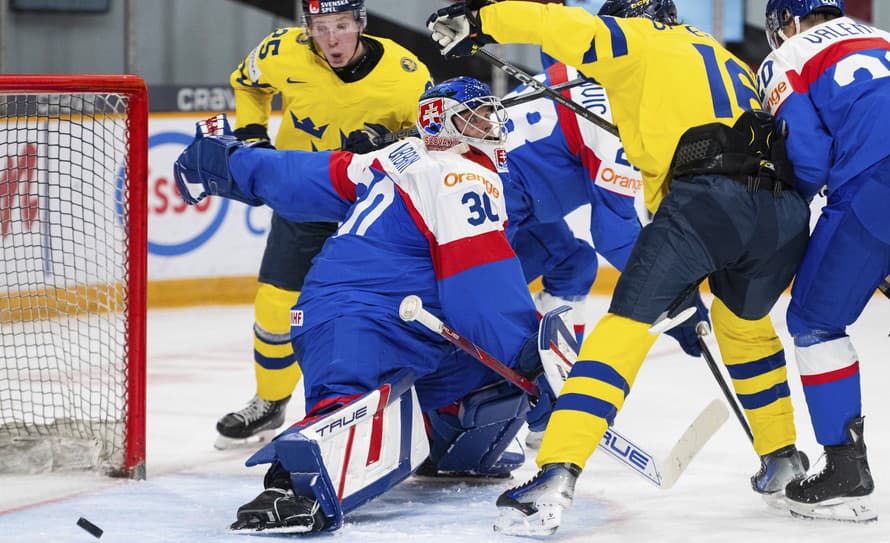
(255,409)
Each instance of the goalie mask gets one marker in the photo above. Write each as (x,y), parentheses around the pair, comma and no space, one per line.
(464,111)
(780,13)
(663,11)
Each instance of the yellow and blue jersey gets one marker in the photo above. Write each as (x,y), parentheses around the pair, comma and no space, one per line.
(318,108)
(661,79)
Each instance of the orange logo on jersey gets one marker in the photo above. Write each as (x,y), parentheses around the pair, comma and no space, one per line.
(611,176)
(776,95)
(453,179)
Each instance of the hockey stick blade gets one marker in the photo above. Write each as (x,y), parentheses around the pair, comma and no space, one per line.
(628,453)
(693,439)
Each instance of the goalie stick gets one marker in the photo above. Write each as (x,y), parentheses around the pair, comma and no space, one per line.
(614,444)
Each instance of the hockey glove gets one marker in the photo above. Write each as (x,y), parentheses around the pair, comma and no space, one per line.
(206,162)
(252,133)
(539,414)
(457,29)
(685,333)
(367,140)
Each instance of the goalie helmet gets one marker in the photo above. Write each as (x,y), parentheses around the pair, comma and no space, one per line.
(663,11)
(330,7)
(780,13)
(464,110)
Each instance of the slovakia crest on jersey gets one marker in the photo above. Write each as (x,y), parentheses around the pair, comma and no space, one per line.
(500,155)
(431,117)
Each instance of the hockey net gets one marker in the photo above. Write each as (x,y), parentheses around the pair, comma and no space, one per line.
(72,284)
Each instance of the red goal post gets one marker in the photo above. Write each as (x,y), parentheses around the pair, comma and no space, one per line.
(73,242)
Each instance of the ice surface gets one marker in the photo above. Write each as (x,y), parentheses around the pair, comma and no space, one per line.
(200,367)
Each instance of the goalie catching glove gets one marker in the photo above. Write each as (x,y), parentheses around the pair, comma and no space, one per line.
(205,162)
(457,29)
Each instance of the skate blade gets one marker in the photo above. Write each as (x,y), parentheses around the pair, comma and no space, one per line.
(278,530)
(511,521)
(776,500)
(839,509)
(224,443)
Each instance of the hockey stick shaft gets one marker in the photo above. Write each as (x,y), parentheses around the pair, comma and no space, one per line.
(527,79)
(411,309)
(701,330)
(529,96)
(616,445)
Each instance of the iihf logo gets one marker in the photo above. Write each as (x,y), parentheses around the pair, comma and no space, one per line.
(296,317)
(431,117)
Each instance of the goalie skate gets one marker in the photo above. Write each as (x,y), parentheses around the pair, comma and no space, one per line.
(279,511)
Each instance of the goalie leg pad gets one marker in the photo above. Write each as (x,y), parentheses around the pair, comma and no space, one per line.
(473,438)
(353,452)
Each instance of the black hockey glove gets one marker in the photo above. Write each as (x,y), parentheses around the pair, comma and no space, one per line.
(366,140)
(457,29)
(252,133)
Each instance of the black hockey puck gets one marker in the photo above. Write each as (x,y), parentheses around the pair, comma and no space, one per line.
(94,530)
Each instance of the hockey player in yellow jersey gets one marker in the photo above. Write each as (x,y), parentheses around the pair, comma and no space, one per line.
(715,177)
(334,81)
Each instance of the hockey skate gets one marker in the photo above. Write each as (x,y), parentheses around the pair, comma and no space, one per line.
(279,511)
(842,489)
(535,508)
(253,424)
(777,469)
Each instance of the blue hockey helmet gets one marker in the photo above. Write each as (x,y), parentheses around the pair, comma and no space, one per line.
(463,110)
(780,13)
(663,11)
(329,7)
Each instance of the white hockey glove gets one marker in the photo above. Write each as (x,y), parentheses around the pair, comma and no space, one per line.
(457,29)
